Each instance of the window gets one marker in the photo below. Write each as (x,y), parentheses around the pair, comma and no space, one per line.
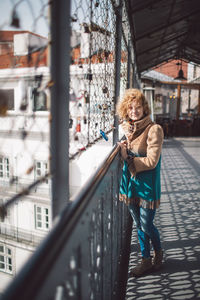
(39,100)
(6,259)
(7,99)
(41,169)
(41,217)
(4,167)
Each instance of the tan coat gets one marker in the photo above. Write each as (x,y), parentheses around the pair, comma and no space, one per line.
(144,138)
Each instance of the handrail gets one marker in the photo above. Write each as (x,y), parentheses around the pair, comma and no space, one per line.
(25,285)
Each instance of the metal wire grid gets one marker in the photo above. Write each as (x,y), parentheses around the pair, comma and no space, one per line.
(92,82)
(24,100)
(25,84)
(93,71)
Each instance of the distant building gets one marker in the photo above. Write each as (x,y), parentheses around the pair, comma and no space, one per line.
(165,95)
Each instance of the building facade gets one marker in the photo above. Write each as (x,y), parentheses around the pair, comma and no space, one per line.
(24,147)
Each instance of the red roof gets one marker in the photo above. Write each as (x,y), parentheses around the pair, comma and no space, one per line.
(171,68)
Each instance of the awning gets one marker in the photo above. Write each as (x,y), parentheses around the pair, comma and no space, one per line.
(163,30)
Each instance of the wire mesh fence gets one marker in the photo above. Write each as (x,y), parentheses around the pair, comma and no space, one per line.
(25,94)
(25,97)
(25,83)
(92,70)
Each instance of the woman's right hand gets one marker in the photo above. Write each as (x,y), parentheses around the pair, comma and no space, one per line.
(123,146)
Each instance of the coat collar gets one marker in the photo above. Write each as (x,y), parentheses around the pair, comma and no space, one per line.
(140,125)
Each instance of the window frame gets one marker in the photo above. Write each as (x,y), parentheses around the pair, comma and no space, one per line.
(7,259)
(39,97)
(4,167)
(10,97)
(42,216)
(43,169)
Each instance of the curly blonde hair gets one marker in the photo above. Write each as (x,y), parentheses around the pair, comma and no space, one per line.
(130,96)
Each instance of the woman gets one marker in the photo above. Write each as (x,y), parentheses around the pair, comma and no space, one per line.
(140,184)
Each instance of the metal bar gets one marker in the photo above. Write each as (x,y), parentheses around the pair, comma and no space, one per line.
(189,100)
(166,28)
(144,6)
(178,101)
(163,54)
(118,11)
(128,65)
(188,84)
(168,25)
(150,63)
(60,61)
(163,43)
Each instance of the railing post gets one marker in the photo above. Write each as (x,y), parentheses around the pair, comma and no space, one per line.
(59,133)
(178,101)
(199,103)
(118,11)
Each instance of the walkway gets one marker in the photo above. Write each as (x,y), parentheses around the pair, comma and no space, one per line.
(178,220)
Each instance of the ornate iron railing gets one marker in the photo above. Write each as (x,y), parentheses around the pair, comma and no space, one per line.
(85,255)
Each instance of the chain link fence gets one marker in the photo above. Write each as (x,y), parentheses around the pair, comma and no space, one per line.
(93,68)
(92,72)
(25,85)
(25,98)
(25,95)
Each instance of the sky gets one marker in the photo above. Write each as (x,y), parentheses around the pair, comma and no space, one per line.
(32,15)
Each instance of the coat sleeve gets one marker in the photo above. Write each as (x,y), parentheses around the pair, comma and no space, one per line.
(154,147)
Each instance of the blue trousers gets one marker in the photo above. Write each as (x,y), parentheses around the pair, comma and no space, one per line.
(143,219)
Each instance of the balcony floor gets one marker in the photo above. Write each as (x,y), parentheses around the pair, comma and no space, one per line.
(178,220)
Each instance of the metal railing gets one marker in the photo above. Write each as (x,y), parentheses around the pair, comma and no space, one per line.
(85,256)
(20,235)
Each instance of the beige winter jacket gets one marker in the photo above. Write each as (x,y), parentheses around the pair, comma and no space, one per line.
(144,138)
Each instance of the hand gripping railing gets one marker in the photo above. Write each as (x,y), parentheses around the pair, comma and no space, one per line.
(85,255)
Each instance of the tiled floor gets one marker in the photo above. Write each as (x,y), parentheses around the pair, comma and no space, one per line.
(178,220)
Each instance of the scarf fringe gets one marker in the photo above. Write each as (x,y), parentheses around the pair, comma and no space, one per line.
(139,201)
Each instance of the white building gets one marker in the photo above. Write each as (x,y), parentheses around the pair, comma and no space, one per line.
(24,148)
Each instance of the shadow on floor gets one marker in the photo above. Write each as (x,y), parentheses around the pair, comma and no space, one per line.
(178,220)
